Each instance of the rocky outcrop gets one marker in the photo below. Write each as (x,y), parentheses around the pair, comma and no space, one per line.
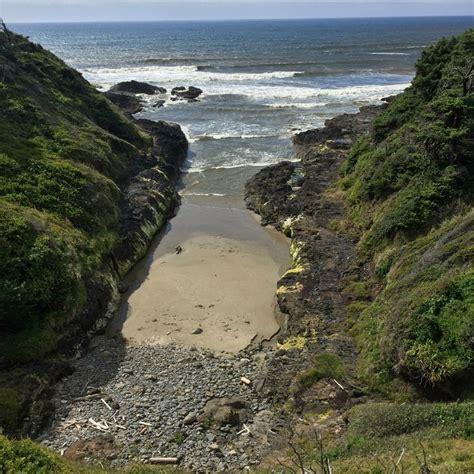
(136,87)
(297,198)
(123,187)
(170,143)
(128,102)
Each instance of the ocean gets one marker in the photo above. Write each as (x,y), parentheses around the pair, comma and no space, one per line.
(262,80)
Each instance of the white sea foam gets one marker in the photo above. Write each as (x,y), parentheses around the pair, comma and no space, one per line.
(107,77)
(251,101)
(203,194)
(226,136)
(390,54)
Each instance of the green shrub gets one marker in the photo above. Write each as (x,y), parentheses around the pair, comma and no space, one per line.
(64,149)
(378,420)
(439,343)
(28,458)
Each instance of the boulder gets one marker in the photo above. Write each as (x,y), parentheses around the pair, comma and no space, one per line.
(101,447)
(135,87)
(225,411)
(177,89)
(170,143)
(190,93)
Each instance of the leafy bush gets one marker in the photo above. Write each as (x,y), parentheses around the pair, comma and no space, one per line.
(28,458)
(377,420)
(9,406)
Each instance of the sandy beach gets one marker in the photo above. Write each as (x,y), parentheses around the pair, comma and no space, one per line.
(217,292)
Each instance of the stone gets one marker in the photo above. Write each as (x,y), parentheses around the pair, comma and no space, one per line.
(158,104)
(177,89)
(129,103)
(231,411)
(136,87)
(190,418)
(198,331)
(190,93)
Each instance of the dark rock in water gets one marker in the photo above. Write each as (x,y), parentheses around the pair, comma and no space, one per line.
(129,103)
(158,104)
(388,99)
(136,87)
(190,93)
(191,101)
(226,411)
(337,131)
(177,89)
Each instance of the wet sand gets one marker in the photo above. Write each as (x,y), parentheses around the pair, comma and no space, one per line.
(218,292)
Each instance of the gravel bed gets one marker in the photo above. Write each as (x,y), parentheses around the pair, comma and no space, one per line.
(135,403)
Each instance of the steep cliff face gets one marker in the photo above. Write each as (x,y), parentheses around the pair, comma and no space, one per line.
(83,190)
(404,174)
(380,299)
(409,188)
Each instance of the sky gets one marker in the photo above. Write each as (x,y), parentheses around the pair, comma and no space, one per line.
(17,11)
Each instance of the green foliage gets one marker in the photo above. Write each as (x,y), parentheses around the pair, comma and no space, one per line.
(28,458)
(439,343)
(421,324)
(410,189)
(378,420)
(401,110)
(63,150)
(179,437)
(325,366)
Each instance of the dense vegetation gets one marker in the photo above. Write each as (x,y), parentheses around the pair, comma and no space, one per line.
(410,189)
(63,151)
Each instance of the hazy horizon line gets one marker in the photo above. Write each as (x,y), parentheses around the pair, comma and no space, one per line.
(221,20)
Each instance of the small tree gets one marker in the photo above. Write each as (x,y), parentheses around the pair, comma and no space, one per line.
(465,71)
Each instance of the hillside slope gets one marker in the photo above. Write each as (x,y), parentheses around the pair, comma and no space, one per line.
(83,190)
(410,189)
(379,301)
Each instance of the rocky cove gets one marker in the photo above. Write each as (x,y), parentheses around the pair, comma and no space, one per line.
(154,386)
(136,399)
(178,336)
